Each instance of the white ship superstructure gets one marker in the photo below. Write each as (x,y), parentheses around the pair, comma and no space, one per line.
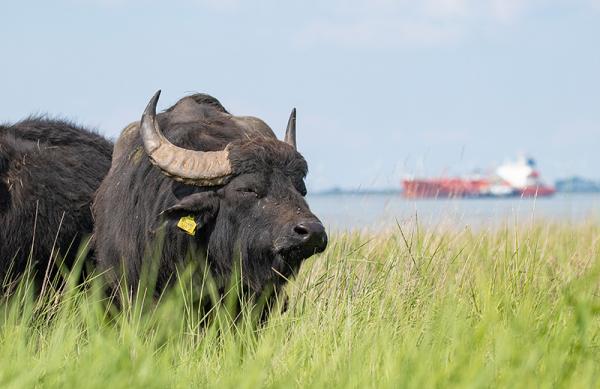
(520,174)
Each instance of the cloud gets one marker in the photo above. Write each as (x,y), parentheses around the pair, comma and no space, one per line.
(446,8)
(387,24)
(220,5)
(213,5)
(508,10)
(100,3)
(394,24)
(377,33)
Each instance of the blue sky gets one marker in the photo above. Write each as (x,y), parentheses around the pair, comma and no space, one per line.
(383,88)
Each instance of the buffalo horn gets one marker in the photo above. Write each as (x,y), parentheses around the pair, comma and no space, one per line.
(290,132)
(202,168)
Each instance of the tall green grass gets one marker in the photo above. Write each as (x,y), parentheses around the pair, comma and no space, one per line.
(512,307)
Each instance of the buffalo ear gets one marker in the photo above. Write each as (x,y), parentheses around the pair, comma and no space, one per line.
(204,207)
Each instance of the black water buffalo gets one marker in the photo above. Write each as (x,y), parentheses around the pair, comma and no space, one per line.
(218,189)
(49,171)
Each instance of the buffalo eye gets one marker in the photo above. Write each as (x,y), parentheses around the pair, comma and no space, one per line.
(247,191)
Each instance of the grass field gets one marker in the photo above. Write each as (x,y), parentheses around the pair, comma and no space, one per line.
(513,307)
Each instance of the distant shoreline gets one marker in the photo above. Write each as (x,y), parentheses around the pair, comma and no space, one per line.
(357,192)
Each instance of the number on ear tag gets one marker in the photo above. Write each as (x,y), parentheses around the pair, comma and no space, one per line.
(188,224)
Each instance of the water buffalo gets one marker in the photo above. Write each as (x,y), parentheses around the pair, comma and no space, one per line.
(49,171)
(217,189)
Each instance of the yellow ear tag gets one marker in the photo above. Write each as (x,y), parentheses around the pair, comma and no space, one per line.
(188,224)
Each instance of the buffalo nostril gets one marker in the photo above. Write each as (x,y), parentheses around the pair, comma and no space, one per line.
(301,229)
(311,235)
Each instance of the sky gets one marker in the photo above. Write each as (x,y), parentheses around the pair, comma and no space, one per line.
(384,89)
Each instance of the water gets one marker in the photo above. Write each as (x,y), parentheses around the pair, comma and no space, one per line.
(380,212)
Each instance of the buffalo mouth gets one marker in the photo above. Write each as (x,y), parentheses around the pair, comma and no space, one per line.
(284,268)
(287,261)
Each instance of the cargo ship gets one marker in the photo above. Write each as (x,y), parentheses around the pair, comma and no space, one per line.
(514,179)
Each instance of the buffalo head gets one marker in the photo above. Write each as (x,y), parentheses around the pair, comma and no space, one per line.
(235,193)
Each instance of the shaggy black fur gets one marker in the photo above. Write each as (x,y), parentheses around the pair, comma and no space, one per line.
(49,171)
(248,221)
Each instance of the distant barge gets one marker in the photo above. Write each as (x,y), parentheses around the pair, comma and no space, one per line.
(515,179)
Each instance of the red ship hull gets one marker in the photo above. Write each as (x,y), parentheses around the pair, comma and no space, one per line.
(453,187)
(459,187)
(537,191)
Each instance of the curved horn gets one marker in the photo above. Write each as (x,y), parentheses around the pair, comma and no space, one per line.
(202,168)
(290,132)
